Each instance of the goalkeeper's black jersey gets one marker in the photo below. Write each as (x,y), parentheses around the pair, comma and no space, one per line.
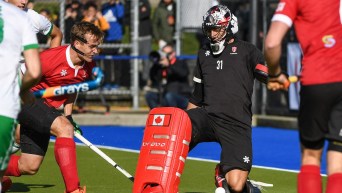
(227,81)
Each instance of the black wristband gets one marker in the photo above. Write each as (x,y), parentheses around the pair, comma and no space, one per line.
(69,117)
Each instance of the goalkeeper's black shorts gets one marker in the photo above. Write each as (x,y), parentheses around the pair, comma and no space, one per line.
(35,122)
(235,140)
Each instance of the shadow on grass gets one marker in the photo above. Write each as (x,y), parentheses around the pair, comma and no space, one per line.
(21,187)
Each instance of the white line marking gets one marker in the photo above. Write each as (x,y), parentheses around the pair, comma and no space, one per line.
(191,158)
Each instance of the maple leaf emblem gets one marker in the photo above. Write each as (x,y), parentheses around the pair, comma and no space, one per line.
(158,119)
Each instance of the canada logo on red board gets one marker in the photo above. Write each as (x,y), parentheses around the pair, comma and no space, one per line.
(159,119)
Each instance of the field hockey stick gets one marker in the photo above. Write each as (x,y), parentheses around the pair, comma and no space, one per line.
(72,88)
(83,87)
(103,155)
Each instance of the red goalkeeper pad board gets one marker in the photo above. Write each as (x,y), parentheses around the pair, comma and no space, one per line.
(163,152)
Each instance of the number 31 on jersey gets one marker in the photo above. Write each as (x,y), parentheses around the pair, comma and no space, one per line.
(219,64)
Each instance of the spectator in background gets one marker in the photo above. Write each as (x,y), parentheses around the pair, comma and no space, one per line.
(73,14)
(169,80)
(78,7)
(114,12)
(164,23)
(46,13)
(92,15)
(70,19)
(145,36)
(30,4)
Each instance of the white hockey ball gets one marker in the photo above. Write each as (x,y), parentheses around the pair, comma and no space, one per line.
(220,190)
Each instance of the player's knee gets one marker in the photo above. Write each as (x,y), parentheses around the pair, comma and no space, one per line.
(311,156)
(236,180)
(29,169)
(62,127)
(236,185)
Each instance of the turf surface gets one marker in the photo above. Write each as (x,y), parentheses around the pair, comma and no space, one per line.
(273,148)
(101,177)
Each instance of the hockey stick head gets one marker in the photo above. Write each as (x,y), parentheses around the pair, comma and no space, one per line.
(73,88)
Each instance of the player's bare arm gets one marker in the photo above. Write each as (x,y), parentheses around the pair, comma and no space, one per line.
(273,44)
(68,105)
(56,37)
(32,74)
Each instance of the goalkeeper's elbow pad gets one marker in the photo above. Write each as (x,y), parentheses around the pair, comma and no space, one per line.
(261,73)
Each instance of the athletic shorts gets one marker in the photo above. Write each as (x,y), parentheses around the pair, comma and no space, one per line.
(7,127)
(35,123)
(235,141)
(320,116)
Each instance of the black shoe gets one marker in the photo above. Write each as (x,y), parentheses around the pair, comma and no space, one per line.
(255,187)
(251,188)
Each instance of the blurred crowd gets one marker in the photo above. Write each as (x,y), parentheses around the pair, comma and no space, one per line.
(156,33)
(113,18)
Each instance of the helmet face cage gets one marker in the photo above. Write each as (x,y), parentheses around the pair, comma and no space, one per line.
(217,17)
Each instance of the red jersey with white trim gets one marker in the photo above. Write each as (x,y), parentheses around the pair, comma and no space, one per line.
(58,70)
(318,25)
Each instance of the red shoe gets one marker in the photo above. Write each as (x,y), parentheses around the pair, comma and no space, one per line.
(6,184)
(79,190)
(220,180)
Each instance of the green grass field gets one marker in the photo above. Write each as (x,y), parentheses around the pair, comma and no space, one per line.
(100,177)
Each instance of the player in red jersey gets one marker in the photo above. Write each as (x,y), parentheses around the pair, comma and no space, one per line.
(318,26)
(62,65)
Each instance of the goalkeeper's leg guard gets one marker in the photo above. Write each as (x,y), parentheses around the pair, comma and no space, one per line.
(163,152)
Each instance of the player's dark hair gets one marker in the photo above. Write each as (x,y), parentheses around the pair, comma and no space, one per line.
(79,30)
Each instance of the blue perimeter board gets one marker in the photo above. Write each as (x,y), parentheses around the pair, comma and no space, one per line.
(272,147)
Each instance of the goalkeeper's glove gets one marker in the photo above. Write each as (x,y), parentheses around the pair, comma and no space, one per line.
(77,128)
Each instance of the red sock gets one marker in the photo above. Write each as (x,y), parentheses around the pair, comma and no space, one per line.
(12,168)
(65,154)
(334,184)
(309,179)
